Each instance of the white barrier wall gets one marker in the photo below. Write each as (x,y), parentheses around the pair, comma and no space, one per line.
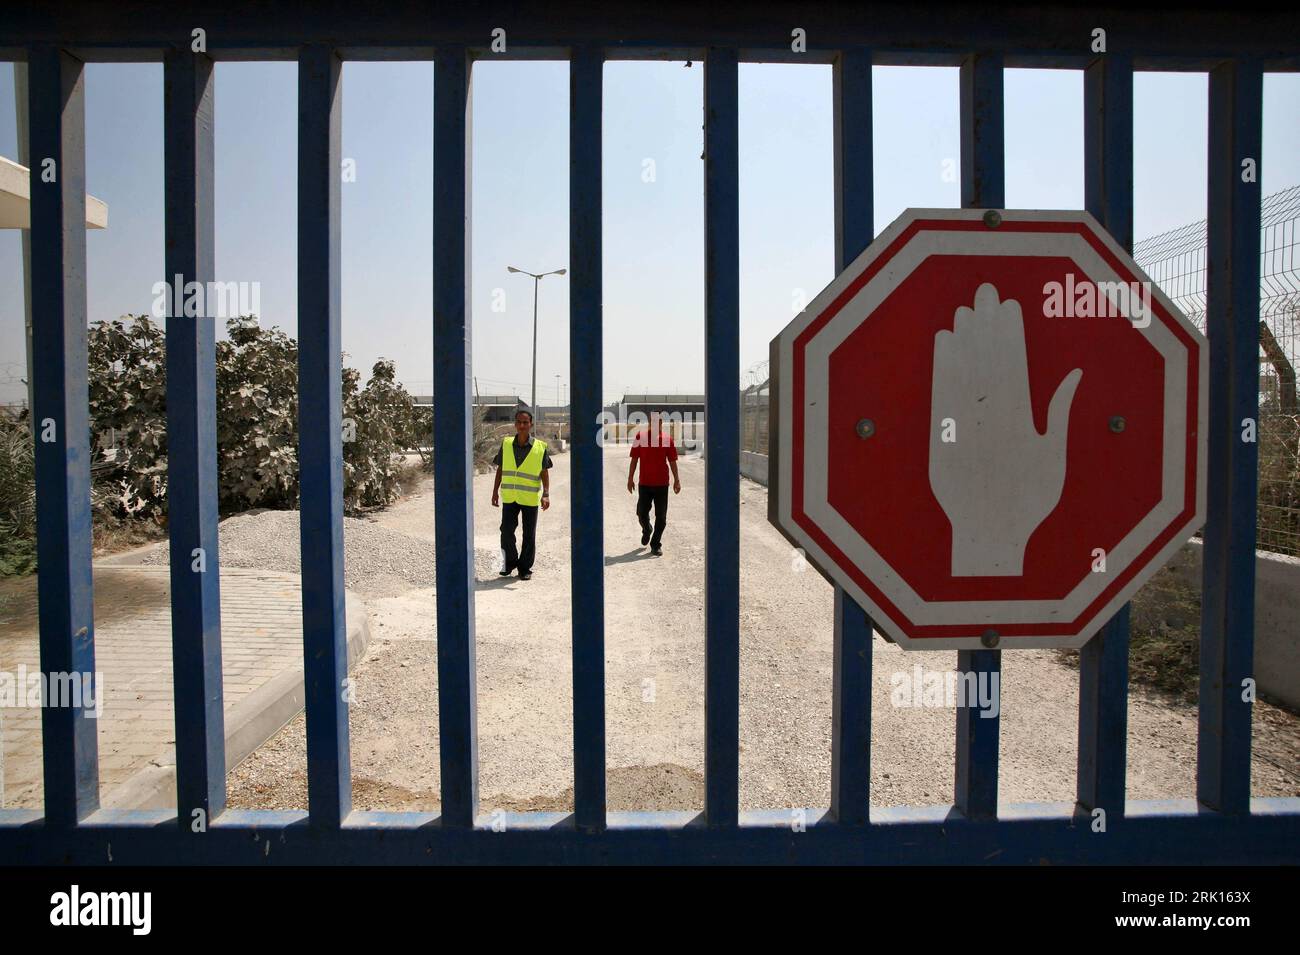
(754,466)
(1277,618)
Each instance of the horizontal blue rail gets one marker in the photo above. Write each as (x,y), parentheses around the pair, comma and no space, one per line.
(1170,833)
(1224,825)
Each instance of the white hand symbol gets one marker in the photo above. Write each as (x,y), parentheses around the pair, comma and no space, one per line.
(996,477)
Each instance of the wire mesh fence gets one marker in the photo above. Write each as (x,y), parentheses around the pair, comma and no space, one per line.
(1176,261)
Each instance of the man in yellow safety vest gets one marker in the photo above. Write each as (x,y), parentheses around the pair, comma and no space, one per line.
(521,485)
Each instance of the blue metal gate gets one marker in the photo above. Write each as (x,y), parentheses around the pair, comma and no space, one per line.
(1223,824)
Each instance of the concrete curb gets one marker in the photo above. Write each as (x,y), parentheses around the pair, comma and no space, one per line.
(248,725)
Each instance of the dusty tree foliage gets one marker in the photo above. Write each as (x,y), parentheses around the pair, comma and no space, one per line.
(257,420)
(17,497)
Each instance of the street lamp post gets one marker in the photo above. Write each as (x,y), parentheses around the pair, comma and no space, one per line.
(536,281)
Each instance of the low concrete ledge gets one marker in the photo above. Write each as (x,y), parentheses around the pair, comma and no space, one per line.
(248,724)
(754,466)
(1277,618)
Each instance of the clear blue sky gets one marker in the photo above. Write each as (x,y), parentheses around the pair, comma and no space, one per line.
(654,294)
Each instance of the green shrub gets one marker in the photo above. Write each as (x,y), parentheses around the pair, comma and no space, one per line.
(128,414)
(257,419)
(17,498)
(379,416)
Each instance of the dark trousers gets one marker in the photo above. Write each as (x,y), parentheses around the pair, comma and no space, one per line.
(510,514)
(659,497)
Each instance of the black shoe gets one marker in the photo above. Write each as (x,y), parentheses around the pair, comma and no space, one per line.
(645,538)
(525,575)
(505,573)
(657,549)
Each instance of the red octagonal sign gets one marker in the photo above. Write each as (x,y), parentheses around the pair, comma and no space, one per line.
(989,429)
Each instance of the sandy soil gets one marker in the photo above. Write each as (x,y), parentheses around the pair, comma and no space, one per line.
(655,689)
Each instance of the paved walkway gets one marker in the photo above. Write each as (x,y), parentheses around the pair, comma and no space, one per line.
(261,618)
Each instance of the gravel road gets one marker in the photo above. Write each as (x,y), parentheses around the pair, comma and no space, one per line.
(655,676)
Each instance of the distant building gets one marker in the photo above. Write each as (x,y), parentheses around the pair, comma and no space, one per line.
(496,407)
(683,416)
(682,405)
(500,407)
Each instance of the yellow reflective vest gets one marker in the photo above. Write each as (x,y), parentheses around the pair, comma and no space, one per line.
(524,484)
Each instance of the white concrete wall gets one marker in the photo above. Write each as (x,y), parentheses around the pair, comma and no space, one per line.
(754,466)
(1277,617)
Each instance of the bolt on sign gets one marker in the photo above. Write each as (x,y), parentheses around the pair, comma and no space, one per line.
(989,429)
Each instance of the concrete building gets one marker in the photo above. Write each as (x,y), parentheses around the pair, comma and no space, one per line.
(15,200)
(496,407)
(669,404)
(16,213)
(684,417)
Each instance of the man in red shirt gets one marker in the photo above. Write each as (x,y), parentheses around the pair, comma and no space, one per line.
(657,453)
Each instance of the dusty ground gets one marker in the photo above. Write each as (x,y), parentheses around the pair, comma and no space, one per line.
(654,684)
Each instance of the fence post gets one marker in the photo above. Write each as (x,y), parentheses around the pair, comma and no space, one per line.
(722,437)
(982,186)
(587,546)
(453,435)
(60,422)
(854,228)
(320,434)
(1232,323)
(1103,661)
(192,441)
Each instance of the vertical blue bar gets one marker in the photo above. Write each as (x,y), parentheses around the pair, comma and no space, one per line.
(320,436)
(851,713)
(982,138)
(722,438)
(60,419)
(1108,145)
(854,228)
(192,441)
(587,492)
(1228,599)
(453,498)
(982,186)
(1103,661)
